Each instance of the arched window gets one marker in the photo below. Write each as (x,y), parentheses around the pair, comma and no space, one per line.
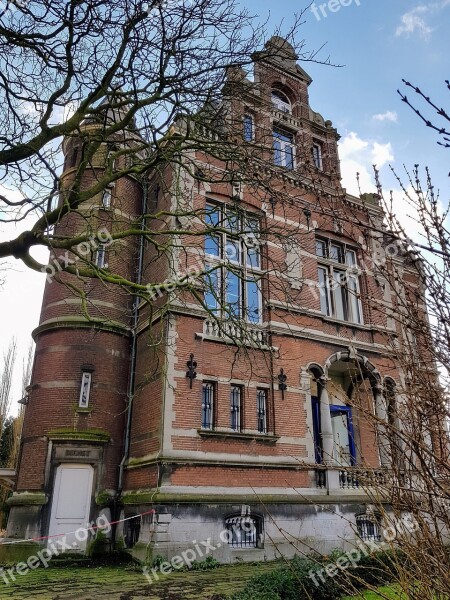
(244,531)
(281,101)
(368,526)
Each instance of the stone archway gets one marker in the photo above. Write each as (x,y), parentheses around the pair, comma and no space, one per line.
(342,376)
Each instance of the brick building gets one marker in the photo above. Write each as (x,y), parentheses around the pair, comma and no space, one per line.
(236,413)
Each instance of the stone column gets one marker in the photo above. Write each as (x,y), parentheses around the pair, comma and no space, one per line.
(325,424)
(382,430)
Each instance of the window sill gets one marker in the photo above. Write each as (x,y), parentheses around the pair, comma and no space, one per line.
(316,313)
(84,410)
(344,323)
(267,438)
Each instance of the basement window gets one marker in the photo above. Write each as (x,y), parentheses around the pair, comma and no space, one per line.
(368,526)
(132,531)
(244,531)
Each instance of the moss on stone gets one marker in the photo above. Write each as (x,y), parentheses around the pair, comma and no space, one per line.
(139,497)
(104,498)
(28,499)
(86,435)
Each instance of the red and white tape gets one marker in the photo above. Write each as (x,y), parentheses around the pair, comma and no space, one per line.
(91,528)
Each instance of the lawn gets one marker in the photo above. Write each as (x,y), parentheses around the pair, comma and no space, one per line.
(388,593)
(125,583)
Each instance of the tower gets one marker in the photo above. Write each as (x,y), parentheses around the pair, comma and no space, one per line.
(73,435)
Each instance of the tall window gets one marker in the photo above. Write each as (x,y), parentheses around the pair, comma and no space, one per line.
(85,389)
(317,156)
(283,148)
(248,128)
(208,397)
(106,198)
(261,410)
(281,101)
(235,407)
(100,257)
(233,264)
(338,281)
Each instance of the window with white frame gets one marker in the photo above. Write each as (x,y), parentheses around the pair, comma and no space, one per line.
(233,264)
(261,410)
(317,155)
(283,148)
(85,389)
(281,101)
(208,399)
(100,257)
(106,197)
(338,278)
(248,128)
(235,407)
(111,160)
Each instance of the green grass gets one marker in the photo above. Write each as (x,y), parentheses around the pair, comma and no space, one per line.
(388,593)
(126,583)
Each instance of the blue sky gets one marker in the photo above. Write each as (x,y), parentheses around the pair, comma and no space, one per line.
(379,42)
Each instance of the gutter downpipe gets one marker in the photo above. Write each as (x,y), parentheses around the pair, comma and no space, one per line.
(132,376)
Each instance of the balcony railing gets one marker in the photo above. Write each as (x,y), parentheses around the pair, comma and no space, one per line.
(321,479)
(350,478)
(353,478)
(237,333)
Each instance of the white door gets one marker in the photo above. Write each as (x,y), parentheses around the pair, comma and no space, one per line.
(71,504)
(342,456)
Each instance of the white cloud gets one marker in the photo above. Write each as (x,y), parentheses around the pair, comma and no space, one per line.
(389,115)
(382,154)
(350,144)
(359,156)
(415,21)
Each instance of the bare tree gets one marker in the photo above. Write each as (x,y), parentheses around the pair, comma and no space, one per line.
(442,125)
(129,86)
(7,443)
(411,494)
(6,379)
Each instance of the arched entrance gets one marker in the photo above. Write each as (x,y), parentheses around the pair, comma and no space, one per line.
(345,391)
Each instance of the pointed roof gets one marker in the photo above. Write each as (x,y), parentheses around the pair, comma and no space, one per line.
(282,54)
